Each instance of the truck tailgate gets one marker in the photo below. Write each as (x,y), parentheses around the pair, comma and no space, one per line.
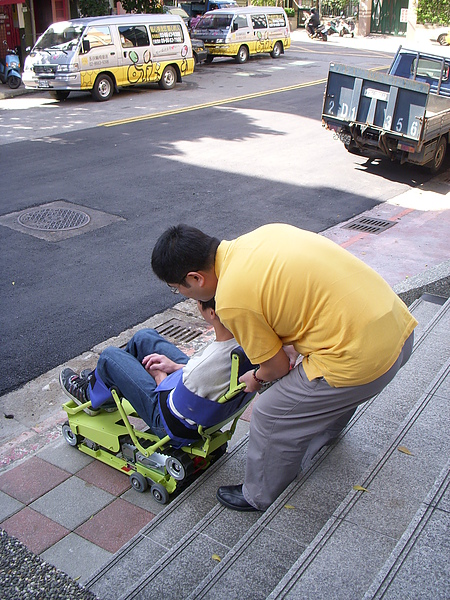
(375,100)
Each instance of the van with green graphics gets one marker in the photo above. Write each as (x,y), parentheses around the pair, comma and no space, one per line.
(101,54)
(242,32)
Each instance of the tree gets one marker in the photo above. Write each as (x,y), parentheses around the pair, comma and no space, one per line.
(142,6)
(94,8)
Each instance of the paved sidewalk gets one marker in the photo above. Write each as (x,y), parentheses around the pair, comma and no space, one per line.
(73,511)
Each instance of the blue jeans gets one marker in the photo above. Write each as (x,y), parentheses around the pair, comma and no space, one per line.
(123,369)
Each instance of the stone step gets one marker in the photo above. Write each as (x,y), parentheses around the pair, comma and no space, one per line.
(420,561)
(176,555)
(266,552)
(352,547)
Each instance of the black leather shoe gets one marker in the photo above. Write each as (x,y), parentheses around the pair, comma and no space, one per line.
(232,497)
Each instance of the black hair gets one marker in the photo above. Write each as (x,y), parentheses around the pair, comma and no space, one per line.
(208,304)
(181,249)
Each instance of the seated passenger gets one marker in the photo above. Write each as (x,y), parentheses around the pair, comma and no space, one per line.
(147,360)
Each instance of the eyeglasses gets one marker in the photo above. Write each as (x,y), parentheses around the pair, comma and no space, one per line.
(173,289)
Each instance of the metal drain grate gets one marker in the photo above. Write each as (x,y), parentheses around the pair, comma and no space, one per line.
(178,331)
(53,219)
(369,225)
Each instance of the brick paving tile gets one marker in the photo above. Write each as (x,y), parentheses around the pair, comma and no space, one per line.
(105,477)
(32,479)
(34,530)
(113,526)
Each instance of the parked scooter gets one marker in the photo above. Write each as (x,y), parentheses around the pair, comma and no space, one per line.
(10,69)
(346,27)
(331,27)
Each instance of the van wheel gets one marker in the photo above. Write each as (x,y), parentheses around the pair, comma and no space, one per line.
(277,49)
(242,55)
(103,88)
(59,94)
(168,79)
(439,155)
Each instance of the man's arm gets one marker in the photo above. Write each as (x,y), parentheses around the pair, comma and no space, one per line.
(271,369)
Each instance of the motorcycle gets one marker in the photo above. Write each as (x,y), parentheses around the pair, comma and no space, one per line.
(10,69)
(319,33)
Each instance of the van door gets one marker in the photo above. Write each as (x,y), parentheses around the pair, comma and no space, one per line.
(135,55)
(101,54)
(240,28)
(171,44)
(260,33)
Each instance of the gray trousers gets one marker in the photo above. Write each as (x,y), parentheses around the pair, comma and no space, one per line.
(293,419)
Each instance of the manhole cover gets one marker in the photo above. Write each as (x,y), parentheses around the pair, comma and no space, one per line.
(53,219)
(369,225)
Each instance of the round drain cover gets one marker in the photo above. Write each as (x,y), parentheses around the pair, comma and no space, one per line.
(54,219)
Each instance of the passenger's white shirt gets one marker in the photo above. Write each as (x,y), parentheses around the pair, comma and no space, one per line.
(208,375)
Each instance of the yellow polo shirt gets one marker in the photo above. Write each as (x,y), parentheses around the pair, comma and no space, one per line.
(282,285)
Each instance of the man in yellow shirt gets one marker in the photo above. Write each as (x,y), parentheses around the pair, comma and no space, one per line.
(286,293)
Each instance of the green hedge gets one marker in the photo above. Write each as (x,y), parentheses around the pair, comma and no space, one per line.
(433,11)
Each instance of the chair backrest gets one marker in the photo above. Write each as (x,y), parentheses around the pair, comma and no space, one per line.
(202,411)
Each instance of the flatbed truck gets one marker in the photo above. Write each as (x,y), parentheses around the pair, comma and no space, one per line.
(403,115)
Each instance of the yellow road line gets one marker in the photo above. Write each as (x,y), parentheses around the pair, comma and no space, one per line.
(177,111)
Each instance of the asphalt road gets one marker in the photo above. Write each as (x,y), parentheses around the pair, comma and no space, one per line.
(232,148)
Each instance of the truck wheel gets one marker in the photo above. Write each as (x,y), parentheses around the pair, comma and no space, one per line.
(209,59)
(242,55)
(351,147)
(439,155)
(276,51)
(59,94)
(103,88)
(168,78)
(442,39)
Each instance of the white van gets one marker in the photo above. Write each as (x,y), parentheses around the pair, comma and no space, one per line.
(101,54)
(241,32)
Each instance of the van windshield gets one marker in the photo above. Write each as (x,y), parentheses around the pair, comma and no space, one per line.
(63,35)
(214,22)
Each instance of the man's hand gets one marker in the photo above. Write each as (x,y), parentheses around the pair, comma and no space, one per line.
(159,362)
(292,354)
(270,370)
(250,383)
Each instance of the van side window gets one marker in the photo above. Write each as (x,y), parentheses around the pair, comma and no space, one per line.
(276,20)
(98,36)
(241,21)
(259,22)
(166,34)
(133,36)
